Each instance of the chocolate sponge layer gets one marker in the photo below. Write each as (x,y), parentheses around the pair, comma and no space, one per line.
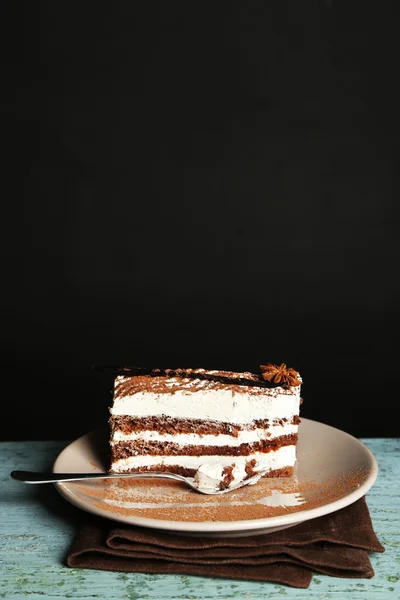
(121,450)
(170,425)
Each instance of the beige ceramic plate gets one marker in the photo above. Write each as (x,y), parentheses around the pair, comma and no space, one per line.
(333,470)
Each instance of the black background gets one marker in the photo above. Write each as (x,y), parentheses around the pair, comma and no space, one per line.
(198,184)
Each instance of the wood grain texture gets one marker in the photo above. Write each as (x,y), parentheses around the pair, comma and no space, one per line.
(37,525)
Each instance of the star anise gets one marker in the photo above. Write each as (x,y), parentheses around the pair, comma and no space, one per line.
(279,374)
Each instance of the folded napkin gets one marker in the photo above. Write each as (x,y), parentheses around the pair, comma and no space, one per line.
(336,544)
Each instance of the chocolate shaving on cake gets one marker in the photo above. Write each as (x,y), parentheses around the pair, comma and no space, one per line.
(280,374)
(256,380)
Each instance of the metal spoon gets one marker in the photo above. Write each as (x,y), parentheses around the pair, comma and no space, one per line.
(32,477)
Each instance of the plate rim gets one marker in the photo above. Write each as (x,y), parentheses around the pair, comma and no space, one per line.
(221,527)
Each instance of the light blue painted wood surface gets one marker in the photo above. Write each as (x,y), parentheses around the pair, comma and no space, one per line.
(37,526)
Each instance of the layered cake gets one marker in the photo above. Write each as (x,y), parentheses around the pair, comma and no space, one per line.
(219,427)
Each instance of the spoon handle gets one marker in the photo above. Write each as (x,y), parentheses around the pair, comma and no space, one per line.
(33,477)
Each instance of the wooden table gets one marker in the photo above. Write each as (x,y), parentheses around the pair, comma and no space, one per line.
(37,526)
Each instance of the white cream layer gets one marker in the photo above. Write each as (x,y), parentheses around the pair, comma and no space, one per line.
(216,405)
(246,436)
(282,457)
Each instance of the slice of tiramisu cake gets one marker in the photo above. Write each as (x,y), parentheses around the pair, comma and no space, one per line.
(219,427)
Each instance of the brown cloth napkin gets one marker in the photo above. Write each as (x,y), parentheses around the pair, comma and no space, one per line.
(336,544)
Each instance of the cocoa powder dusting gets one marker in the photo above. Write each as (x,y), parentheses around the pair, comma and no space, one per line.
(172,501)
(169,381)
